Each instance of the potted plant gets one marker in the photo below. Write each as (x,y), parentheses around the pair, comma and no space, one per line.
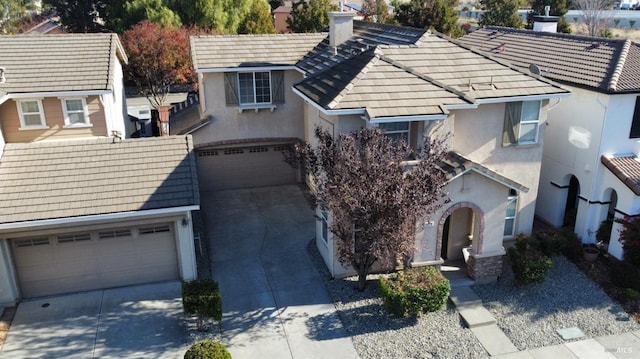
(590,253)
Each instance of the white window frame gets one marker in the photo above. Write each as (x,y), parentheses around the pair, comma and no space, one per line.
(254,102)
(530,122)
(85,112)
(394,132)
(324,223)
(512,198)
(23,125)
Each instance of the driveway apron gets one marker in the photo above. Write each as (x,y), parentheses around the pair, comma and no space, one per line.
(275,303)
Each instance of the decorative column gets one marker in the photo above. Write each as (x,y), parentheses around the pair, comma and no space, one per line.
(163,123)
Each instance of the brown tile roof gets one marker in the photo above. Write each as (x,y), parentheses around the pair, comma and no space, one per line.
(59,179)
(606,65)
(456,164)
(627,169)
(418,80)
(53,63)
(251,50)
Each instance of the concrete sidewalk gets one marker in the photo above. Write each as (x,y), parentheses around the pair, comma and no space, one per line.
(275,303)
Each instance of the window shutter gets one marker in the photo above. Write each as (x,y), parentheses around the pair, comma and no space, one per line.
(277,86)
(511,128)
(231,88)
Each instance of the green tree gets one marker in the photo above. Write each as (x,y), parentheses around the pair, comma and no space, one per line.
(80,15)
(222,16)
(557,8)
(11,12)
(310,16)
(376,11)
(134,11)
(158,59)
(258,20)
(202,297)
(501,13)
(374,200)
(439,15)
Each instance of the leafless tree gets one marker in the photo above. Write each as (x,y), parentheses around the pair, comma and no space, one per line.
(595,14)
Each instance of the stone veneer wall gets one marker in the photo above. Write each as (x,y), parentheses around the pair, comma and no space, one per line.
(485,269)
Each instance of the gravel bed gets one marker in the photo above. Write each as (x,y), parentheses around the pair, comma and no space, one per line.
(376,334)
(530,315)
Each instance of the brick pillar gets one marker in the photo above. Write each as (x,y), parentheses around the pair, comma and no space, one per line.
(163,123)
(485,269)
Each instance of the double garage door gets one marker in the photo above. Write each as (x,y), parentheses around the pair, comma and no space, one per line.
(70,262)
(243,167)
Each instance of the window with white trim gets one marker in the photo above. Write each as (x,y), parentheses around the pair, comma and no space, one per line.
(31,114)
(512,209)
(75,111)
(521,122)
(324,217)
(254,87)
(396,130)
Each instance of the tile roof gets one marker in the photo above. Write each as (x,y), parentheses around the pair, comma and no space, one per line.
(58,179)
(606,65)
(53,63)
(627,169)
(222,51)
(415,80)
(456,164)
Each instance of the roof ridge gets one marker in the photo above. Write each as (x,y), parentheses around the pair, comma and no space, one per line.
(290,34)
(613,83)
(553,34)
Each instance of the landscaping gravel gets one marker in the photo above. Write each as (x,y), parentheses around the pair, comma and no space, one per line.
(530,315)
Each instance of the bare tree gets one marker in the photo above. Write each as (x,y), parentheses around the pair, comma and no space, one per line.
(595,14)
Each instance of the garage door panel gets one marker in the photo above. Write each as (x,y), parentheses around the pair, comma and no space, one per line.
(58,268)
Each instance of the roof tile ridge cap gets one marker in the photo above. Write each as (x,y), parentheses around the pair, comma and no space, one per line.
(365,69)
(429,79)
(613,83)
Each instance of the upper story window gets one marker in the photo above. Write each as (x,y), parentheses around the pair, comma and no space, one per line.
(254,89)
(75,112)
(512,209)
(521,122)
(31,114)
(635,124)
(396,130)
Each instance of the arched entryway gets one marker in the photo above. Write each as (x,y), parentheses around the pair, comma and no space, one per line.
(461,225)
(571,206)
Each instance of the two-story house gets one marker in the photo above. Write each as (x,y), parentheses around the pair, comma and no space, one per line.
(81,206)
(590,167)
(409,82)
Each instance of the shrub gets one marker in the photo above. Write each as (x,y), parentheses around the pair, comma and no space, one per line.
(624,275)
(631,293)
(603,234)
(551,243)
(202,297)
(207,349)
(573,244)
(630,238)
(529,266)
(414,291)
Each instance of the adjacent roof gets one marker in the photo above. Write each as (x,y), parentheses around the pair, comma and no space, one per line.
(605,65)
(55,63)
(58,179)
(456,165)
(627,169)
(217,51)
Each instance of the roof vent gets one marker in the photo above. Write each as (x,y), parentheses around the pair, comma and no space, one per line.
(2,78)
(534,69)
(546,10)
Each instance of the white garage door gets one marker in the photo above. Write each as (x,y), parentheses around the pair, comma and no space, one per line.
(245,167)
(66,263)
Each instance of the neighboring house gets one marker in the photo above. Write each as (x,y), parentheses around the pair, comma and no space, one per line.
(81,207)
(590,167)
(409,82)
(280,16)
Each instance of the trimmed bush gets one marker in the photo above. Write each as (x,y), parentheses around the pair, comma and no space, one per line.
(529,266)
(207,349)
(573,244)
(551,243)
(202,297)
(414,291)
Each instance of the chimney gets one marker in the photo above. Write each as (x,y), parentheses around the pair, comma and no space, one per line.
(340,27)
(545,23)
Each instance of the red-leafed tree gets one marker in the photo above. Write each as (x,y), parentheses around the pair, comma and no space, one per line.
(373,195)
(158,59)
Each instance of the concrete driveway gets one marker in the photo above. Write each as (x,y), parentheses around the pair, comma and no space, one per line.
(143,321)
(275,303)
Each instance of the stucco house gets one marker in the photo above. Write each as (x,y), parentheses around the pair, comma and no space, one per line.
(409,82)
(81,206)
(590,166)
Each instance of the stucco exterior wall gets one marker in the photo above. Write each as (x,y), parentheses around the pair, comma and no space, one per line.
(54,116)
(115,106)
(286,121)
